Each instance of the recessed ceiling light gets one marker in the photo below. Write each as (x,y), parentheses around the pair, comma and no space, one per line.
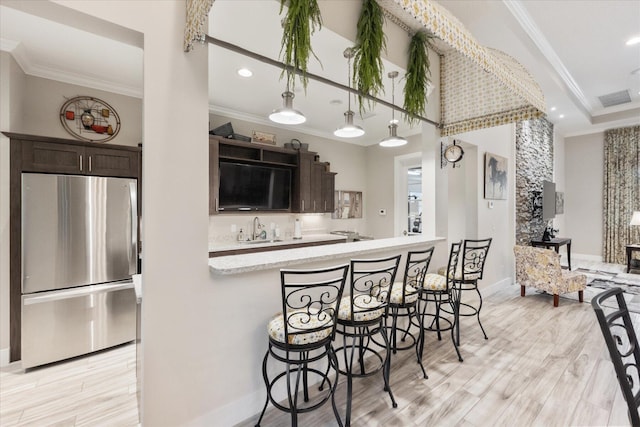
(245,72)
(553,108)
(633,40)
(561,116)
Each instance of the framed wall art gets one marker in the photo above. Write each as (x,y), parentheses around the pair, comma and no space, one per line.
(90,119)
(348,204)
(495,177)
(263,138)
(559,202)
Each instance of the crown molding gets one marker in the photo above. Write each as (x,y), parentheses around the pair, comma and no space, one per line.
(529,26)
(7,45)
(20,55)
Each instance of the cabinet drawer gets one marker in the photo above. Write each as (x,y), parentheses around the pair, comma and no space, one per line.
(55,158)
(108,162)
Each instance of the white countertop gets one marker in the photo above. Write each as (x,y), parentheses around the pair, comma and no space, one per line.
(243,263)
(231,246)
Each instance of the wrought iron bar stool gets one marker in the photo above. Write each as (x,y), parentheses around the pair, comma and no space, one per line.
(470,270)
(437,291)
(622,343)
(404,297)
(361,316)
(302,335)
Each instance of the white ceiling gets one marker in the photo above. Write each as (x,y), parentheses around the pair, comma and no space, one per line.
(575,50)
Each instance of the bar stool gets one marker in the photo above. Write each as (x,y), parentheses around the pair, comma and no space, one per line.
(470,270)
(302,335)
(404,296)
(361,316)
(438,289)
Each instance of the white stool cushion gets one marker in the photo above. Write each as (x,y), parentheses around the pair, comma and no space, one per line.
(411,294)
(299,323)
(434,282)
(458,276)
(363,302)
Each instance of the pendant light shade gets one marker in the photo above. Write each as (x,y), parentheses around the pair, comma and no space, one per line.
(393,140)
(348,129)
(287,115)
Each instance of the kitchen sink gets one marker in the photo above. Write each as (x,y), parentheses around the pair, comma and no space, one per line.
(352,236)
(255,242)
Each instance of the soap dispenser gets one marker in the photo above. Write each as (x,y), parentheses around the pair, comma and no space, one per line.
(240,236)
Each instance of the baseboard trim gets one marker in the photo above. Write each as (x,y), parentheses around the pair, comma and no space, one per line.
(4,357)
(233,412)
(494,287)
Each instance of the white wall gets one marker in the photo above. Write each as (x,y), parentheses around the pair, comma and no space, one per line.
(559,178)
(497,222)
(583,206)
(43,99)
(181,333)
(12,88)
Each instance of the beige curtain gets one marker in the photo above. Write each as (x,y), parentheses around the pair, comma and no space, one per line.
(621,191)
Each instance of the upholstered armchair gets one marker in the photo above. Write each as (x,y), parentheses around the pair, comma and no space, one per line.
(540,268)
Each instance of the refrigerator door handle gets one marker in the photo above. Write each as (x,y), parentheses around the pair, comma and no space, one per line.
(133,253)
(74,293)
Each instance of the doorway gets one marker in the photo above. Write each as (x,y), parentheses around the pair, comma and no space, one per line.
(408,200)
(414,200)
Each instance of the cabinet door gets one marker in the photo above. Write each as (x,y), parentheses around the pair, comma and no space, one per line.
(111,162)
(54,158)
(214,175)
(303,195)
(328,191)
(316,187)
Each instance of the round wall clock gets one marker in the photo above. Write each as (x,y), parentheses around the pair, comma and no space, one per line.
(453,153)
(90,119)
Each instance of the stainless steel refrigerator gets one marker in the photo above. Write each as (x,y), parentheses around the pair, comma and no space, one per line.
(79,251)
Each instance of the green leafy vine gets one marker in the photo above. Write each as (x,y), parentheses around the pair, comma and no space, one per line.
(367,60)
(417,77)
(303,18)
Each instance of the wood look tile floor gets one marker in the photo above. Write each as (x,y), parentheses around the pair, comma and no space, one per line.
(95,390)
(541,366)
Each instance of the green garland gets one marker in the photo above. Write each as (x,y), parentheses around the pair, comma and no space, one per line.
(367,60)
(417,77)
(302,19)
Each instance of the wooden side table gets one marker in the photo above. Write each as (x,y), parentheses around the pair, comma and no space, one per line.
(556,243)
(630,250)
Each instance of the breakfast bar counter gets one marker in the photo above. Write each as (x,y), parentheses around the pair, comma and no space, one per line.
(243,263)
(246,293)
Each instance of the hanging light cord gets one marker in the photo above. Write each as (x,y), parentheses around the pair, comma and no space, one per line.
(348,52)
(393,75)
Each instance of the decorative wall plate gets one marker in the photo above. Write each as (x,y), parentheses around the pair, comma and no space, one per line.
(90,119)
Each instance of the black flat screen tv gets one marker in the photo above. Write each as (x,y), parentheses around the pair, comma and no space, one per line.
(245,187)
(548,200)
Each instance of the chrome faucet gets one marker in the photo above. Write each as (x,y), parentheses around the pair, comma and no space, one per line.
(256,228)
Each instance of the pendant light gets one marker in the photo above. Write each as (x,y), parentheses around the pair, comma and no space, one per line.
(287,115)
(348,129)
(393,140)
